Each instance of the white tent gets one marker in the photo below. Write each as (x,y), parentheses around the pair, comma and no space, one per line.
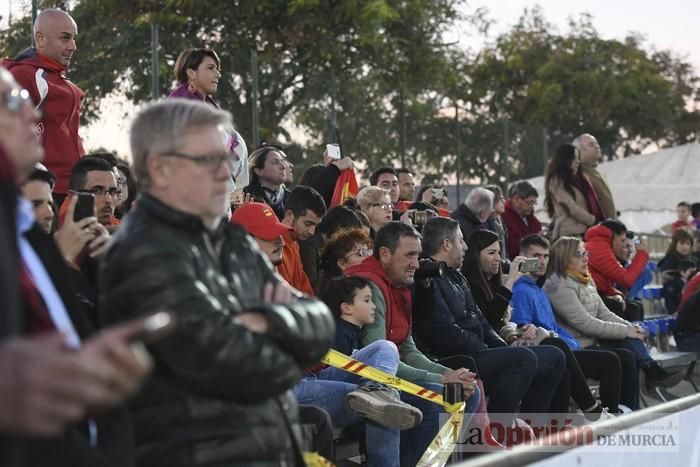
(647,187)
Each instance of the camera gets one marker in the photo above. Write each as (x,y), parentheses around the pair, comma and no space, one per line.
(419,218)
(428,269)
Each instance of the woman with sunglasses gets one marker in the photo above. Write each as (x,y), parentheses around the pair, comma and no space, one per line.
(582,312)
(345,248)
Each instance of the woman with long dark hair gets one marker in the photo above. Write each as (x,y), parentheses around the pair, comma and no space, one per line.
(570,199)
(483,269)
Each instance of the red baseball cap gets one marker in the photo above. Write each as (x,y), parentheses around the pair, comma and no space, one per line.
(259,221)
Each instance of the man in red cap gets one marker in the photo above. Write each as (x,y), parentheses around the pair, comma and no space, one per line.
(261,223)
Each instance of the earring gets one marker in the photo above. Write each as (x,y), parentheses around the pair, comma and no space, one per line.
(191,88)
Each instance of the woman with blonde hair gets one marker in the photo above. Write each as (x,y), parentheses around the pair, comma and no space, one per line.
(375,202)
(576,302)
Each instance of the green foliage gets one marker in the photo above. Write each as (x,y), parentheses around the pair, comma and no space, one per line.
(579,82)
(364,53)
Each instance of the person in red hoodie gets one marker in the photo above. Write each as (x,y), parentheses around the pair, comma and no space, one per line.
(41,70)
(605,243)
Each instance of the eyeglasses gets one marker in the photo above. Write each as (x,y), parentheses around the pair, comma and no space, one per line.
(581,254)
(382,205)
(14,99)
(362,253)
(102,191)
(211,162)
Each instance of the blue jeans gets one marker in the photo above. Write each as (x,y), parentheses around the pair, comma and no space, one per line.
(382,355)
(382,443)
(331,387)
(415,441)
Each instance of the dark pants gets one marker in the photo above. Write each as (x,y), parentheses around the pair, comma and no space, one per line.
(603,366)
(551,368)
(629,388)
(575,381)
(507,373)
(317,430)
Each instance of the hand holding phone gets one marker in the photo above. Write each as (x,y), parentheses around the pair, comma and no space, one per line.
(529,265)
(333,151)
(85,207)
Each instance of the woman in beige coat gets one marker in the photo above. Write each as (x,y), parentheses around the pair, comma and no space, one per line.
(582,312)
(566,203)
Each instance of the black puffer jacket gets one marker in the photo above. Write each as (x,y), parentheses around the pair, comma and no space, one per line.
(457,326)
(219,393)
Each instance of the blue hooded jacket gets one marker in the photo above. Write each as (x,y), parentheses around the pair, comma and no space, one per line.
(531,306)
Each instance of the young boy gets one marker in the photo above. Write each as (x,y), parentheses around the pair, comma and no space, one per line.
(350,300)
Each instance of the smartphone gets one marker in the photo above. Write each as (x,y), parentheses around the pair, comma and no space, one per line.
(84,207)
(529,265)
(439,193)
(333,151)
(155,327)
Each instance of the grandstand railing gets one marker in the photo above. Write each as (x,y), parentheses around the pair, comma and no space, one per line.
(528,454)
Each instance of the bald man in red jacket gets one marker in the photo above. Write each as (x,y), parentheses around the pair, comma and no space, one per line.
(41,70)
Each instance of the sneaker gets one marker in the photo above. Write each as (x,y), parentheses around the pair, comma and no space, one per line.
(656,375)
(382,405)
(623,409)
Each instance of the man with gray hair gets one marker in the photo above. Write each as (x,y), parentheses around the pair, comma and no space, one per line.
(41,70)
(220,392)
(474,212)
(590,157)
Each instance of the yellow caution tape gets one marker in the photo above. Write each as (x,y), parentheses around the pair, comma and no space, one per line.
(440,449)
(349,364)
(314,459)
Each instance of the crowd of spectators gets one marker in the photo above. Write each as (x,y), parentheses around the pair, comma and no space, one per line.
(259,279)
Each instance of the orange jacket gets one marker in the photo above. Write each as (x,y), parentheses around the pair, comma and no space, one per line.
(291,268)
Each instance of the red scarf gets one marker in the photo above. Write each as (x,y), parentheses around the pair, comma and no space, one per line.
(584,184)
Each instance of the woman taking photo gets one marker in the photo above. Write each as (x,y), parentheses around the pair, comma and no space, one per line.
(582,312)
(569,197)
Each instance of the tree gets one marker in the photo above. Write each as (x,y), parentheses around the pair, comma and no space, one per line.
(371,47)
(579,82)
